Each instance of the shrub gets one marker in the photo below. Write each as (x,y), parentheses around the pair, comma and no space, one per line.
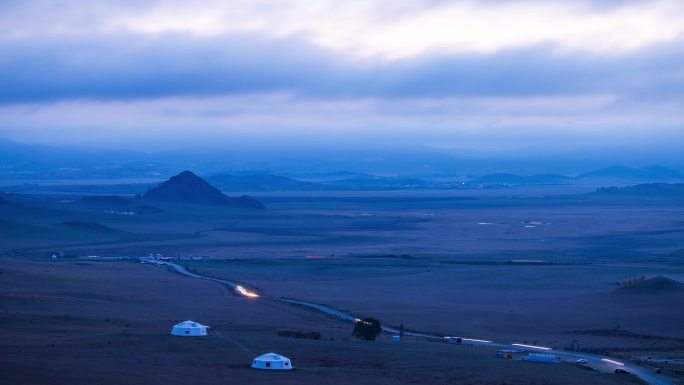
(367,329)
(292,333)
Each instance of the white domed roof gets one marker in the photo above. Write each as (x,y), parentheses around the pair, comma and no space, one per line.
(272,357)
(272,361)
(190,324)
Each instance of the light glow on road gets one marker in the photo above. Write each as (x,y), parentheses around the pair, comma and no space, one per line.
(612,362)
(475,340)
(448,338)
(246,293)
(532,346)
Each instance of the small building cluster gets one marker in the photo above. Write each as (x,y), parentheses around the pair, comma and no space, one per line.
(193,258)
(159,257)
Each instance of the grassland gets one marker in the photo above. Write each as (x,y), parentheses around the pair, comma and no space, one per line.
(434,262)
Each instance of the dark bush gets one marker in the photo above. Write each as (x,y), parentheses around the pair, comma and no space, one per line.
(367,329)
(292,333)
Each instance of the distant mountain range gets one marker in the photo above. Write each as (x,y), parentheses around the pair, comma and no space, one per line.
(187,187)
(613,174)
(360,181)
(520,180)
(24,161)
(261,182)
(328,176)
(650,173)
(349,181)
(134,171)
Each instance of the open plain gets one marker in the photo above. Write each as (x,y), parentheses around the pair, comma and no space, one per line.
(513,266)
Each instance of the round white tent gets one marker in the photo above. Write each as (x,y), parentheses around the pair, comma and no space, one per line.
(272,361)
(189,329)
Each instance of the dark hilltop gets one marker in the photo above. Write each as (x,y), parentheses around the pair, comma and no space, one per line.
(187,187)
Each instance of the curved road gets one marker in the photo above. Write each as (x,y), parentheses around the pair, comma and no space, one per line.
(597,362)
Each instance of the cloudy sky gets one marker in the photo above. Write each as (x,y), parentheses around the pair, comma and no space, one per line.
(455,75)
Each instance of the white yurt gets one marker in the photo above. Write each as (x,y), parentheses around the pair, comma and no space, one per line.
(189,329)
(272,361)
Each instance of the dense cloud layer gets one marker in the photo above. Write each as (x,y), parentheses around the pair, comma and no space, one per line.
(131,67)
(483,75)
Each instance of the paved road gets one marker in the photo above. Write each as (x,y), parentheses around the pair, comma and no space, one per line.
(597,362)
(184,271)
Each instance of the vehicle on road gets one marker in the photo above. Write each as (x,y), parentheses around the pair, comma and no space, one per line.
(581,361)
(621,371)
(454,340)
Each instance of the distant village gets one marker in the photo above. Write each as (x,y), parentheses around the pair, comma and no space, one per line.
(150,258)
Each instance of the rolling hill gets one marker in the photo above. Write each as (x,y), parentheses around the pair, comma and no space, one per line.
(261,182)
(650,173)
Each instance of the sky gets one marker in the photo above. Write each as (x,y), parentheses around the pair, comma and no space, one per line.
(561,76)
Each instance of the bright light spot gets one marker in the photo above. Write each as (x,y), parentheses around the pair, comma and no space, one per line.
(475,340)
(532,346)
(244,292)
(448,338)
(612,362)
